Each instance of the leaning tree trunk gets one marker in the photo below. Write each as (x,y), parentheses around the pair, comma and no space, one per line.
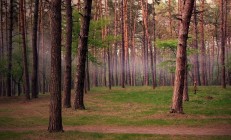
(34,79)
(177,105)
(82,54)
(25,63)
(67,74)
(55,118)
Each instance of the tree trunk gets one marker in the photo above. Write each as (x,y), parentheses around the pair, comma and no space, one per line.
(9,54)
(203,56)
(67,74)
(222,38)
(55,118)
(123,45)
(2,47)
(34,80)
(196,71)
(116,46)
(177,106)
(153,56)
(146,40)
(82,54)
(25,63)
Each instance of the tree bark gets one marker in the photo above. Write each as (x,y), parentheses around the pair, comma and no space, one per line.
(82,53)
(55,118)
(34,79)
(67,74)
(177,106)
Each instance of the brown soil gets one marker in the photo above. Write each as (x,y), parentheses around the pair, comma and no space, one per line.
(169,130)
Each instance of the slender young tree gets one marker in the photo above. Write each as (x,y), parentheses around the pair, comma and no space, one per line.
(67,74)
(55,117)
(34,79)
(177,99)
(82,54)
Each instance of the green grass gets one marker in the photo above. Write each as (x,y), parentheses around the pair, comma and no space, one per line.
(132,106)
(73,135)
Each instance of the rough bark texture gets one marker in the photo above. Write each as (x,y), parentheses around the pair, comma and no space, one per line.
(55,118)
(25,63)
(82,54)
(34,79)
(67,74)
(177,98)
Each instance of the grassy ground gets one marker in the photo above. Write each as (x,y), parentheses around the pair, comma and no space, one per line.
(133,106)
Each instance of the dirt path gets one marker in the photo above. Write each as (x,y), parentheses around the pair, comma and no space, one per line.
(169,130)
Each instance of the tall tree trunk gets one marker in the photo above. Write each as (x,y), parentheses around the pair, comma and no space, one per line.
(25,63)
(82,54)
(154,45)
(222,38)
(43,51)
(203,51)
(5,86)
(133,54)
(34,79)
(196,71)
(1,46)
(55,118)
(146,40)
(9,54)
(123,45)
(67,74)
(177,106)
(116,45)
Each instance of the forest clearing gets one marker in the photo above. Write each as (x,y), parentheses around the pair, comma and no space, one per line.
(139,112)
(115,69)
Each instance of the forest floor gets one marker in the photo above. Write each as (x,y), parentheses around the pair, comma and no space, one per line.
(163,130)
(131,113)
